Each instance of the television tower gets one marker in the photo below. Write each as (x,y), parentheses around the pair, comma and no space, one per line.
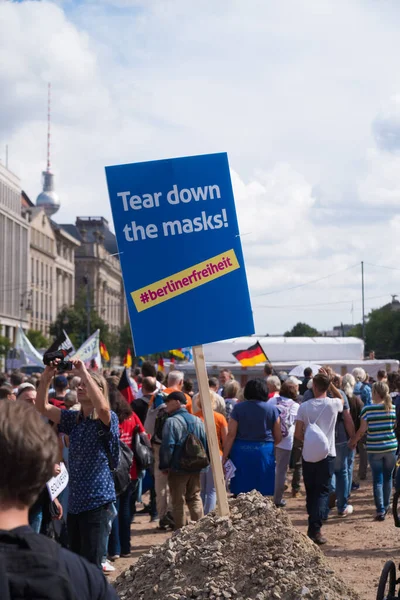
(48,199)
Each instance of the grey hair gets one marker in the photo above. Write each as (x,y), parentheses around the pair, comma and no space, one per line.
(175,377)
(274,381)
(359,374)
(74,383)
(348,384)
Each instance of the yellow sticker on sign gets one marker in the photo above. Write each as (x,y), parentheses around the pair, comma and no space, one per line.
(184,281)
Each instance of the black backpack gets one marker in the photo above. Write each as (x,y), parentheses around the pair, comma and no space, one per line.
(30,568)
(122,472)
(142,450)
(162,416)
(193,457)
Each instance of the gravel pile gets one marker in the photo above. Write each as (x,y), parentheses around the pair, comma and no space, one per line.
(256,553)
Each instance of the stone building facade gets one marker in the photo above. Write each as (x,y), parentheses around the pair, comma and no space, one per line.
(98,270)
(14,265)
(52,268)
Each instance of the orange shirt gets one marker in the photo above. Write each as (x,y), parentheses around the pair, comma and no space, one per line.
(188,398)
(220,422)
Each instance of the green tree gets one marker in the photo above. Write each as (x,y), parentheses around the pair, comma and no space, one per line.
(5,345)
(302,330)
(125,341)
(74,320)
(382,332)
(37,339)
(355,331)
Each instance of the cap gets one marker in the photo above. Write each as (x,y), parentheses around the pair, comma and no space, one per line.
(177,396)
(60,382)
(25,386)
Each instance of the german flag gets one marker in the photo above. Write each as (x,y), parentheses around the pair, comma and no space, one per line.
(128,359)
(104,352)
(125,387)
(178,353)
(252,356)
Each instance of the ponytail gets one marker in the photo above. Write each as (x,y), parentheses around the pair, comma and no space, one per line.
(381,391)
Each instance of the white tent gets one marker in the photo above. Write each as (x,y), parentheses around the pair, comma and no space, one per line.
(289,349)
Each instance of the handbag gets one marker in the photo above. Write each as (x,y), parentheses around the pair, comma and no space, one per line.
(121,473)
(141,451)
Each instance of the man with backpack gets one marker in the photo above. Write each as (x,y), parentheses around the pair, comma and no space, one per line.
(31,565)
(315,426)
(154,425)
(183,454)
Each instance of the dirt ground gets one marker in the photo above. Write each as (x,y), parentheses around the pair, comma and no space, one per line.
(357,546)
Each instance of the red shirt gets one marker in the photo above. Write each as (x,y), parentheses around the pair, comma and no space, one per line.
(126,430)
(58,402)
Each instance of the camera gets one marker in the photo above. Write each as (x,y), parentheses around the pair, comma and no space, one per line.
(63,365)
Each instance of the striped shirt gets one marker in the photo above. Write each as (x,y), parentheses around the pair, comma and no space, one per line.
(381,435)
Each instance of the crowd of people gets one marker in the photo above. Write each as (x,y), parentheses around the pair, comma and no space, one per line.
(275,424)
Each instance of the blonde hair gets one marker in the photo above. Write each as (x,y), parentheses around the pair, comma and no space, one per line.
(380,390)
(102,384)
(232,389)
(348,385)
(197,400)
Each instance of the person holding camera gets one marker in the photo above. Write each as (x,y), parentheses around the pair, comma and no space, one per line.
(91,481)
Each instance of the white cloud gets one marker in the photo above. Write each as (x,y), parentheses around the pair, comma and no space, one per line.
(308,114)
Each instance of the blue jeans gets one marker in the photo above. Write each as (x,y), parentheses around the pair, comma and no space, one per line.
(382,465)
(344,463)
(208,493)
(317,477)
(120,537)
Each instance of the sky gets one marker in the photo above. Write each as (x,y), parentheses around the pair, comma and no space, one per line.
(304,95)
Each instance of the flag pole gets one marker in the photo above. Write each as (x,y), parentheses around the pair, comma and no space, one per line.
(211,432)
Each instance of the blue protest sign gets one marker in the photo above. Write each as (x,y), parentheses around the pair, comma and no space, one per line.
(180,252)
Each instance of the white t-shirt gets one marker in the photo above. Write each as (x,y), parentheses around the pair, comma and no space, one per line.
(287,442)
(311,412)
(159,385)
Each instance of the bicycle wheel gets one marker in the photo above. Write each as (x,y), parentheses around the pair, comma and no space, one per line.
(396,507)
(387,582)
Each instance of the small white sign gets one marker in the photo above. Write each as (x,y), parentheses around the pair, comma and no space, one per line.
(57,484)
(229,470)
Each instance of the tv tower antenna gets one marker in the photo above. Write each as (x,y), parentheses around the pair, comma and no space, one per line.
(48,126)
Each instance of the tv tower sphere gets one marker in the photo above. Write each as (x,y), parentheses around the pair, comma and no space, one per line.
(48,199)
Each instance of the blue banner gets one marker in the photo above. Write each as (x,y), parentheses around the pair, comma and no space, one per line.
(180,252)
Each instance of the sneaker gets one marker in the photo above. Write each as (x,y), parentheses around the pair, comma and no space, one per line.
(295,494)
(319,539)
(355,486)
(144,511)
(347,511)
(107,567)
(380,517)
(281,504)
(128,555)
(113,557)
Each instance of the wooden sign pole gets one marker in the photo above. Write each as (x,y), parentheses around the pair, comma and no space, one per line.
(213,448)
